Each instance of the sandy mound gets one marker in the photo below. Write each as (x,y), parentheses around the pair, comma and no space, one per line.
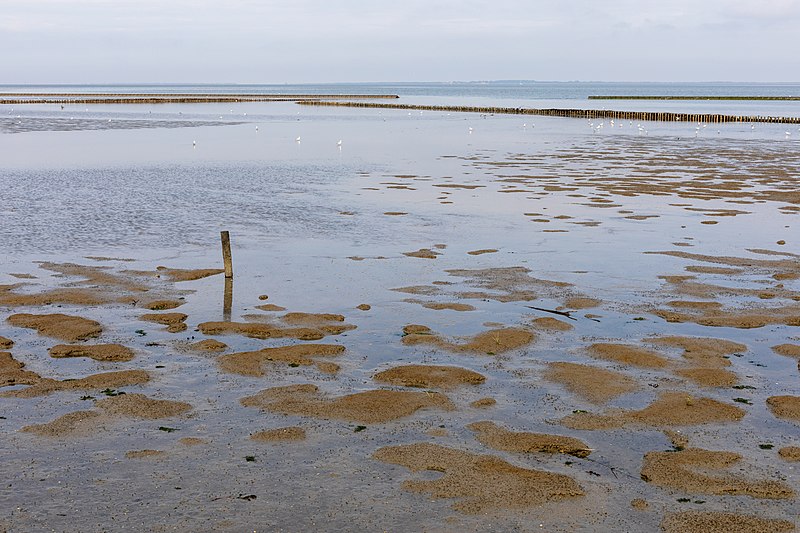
(789,350)
(5,343)
(483,402)
(423,253)
(686,304)
(489,342)
(484,251)
(162,305)
(582,303)
(670,409)
(98,352)
(591,383)
(551,324)
(483,482)
(707,352)
(429,376)
(176,274)
(270,307)
(54,296)
(105,380)
(192,441)
(64,327)
(279,435)
(790,453)
(208,345)
(311,318)
(363,307)
(787,407)
(143,454)
(251,363)
(629,355)
(79,422)
(12,373)
(369,407)
(440,306)
(716,522)
(491,435)
(709,377)
(173,321)
(140,406)
(272,331)
(422,290)
(687,471)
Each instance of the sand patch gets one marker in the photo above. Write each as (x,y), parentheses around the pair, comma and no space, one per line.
(5,343)
(279,435)
(788,350)
(594,384)
(272,331)
(491,435)
(429,376)
(717,522)
(59,326)
(481,482)
(270,307)
(422,290)
(363,307)
(12,373)
(98,352)
(192,441)
(483,251)
(105,380)
(688,471)
(368,407)
(582,303)
(551,324)
(709,377)
(173,321)
(687,304)
(311,318)
(162,305)
(489,342)
(787,407)
(513,284)
(252,363)
(482,403)
(51,297)
(670,409)
(699,269)
(177,274)
(629,355)
(78,422)
(423,253)
(395,213)
(208,345)
(144,454)
(703,351)
(140,406)
(790,453)
(441,306)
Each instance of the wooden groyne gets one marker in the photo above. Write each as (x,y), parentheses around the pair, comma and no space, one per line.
(738,98)
(568,113)
(170,98)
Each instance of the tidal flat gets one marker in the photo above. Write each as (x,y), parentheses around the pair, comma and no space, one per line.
(437,321)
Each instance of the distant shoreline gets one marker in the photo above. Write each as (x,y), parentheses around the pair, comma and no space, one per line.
(170,98)
(753,98)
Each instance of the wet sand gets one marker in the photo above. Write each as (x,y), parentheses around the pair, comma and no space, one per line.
(555,335)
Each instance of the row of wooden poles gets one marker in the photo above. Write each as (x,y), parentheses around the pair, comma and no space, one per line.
(666,97)
(569,113)
(107,98)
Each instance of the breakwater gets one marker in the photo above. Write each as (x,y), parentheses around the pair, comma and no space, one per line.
(661,116)
(171,98)
(737,98)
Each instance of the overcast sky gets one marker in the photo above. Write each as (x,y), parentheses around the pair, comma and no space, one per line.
(297,41)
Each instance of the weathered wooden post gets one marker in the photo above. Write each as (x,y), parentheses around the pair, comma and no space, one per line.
(226,253)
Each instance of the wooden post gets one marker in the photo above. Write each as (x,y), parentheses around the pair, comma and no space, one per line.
(226,253)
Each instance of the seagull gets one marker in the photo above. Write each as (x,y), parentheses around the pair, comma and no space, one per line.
(339,144)
(256,128)
(788,134)
(470,130)
(194,143)
(298,139)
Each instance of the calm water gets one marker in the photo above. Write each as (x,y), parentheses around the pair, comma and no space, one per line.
(309,222)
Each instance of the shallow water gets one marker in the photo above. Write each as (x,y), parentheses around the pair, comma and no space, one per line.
(309,229)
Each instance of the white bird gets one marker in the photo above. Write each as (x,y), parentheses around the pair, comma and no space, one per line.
(788,134)
(256,128)
(339,144)
(194,143)
(298,139)
(470,130)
